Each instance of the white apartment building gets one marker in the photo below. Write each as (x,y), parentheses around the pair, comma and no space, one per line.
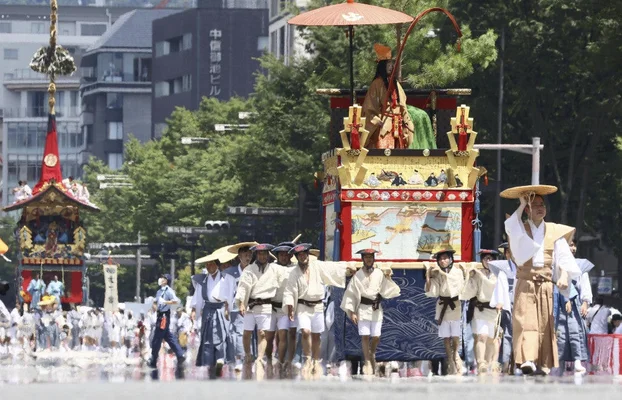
(285,41)
(23,92)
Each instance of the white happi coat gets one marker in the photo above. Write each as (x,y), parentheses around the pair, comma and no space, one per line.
(447,284)
(481,287)
(257,285)
(310,286)
(283,279)
(368,286)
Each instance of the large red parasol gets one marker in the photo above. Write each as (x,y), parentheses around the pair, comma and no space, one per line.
(350,14)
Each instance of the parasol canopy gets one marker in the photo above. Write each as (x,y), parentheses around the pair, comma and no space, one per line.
(350,14)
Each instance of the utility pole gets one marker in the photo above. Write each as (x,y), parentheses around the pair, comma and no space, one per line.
(138,270)
(499,139)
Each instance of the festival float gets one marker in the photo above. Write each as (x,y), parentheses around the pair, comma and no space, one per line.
(50,234)
(407,200)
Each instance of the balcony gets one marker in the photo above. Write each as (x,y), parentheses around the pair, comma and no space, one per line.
(40,112)
(29,79)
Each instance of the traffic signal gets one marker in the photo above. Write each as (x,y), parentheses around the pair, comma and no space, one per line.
(217,225)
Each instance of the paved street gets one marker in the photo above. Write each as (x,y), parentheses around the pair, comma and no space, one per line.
(120,381)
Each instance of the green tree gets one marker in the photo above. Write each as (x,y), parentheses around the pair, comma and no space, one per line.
(560,86)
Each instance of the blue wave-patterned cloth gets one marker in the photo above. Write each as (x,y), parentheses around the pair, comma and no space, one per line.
(409,332)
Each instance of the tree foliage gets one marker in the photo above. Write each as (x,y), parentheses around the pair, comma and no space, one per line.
(560,85)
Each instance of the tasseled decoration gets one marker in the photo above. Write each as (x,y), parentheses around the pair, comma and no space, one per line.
(337,242)
(477,233)
(53,63)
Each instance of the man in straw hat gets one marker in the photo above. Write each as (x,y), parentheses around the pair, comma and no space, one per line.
(362,303)
(286,329)
(446,282)
(389,125)
(503,300)
(482,315)
(49,330)
(235,347)
(214,292)
(304,297)
(542,253)
(256,289)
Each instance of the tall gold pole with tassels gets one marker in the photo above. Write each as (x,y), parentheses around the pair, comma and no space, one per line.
(53,60)
(53,22)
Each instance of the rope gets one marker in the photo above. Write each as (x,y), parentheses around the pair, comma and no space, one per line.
(476,222)
(53,33)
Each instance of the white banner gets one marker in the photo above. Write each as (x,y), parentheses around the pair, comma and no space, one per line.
(111,300)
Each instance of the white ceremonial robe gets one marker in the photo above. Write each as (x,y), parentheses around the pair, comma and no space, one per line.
(310,287)
(255,284)
(481,287)
(447,284)
(368,286)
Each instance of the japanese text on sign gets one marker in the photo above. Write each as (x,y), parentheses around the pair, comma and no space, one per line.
(215,60)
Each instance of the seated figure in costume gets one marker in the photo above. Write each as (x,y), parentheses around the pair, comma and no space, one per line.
(445,280)
(389,125)
(543,258)
(478,291)
(361,302)
(392,125)
(56,288)
(569,313)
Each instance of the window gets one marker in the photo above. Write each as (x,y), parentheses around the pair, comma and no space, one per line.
(115,130)
(29,135)
(93,29)
(74,101)
(88,132)
(186,83)
(263,43)
(37,27)
(162,89)
(282,42)
(5,27)
(114,100)
(273,44)
(274,8)
(110,67)
(176,44)
(115,161)
(10,54)
(162,49)
(187,41)
(175,85)
(67,28)
(8,76)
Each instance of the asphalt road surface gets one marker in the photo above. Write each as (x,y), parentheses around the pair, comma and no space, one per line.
(119,382)
(95,377)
